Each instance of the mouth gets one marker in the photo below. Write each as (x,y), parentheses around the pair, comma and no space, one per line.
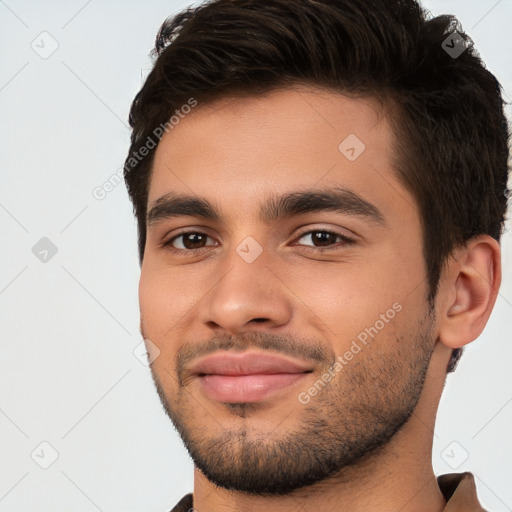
(246,388)
(247,377)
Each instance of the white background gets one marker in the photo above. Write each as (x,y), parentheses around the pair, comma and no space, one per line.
(69,326)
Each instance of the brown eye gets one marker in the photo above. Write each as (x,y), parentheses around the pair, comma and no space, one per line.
(188,241)
(325,240)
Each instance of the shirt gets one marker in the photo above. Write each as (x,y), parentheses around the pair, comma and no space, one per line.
(458,489)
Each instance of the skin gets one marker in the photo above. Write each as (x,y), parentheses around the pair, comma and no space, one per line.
(235,152)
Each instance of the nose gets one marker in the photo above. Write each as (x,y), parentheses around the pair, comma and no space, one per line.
(246,294)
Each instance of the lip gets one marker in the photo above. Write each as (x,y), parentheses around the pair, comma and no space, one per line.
(248,376)
(247,363)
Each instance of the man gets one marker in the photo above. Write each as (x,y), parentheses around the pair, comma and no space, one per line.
(320,188)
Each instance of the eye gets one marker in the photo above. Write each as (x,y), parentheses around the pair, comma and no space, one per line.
(187,241)
(325,239)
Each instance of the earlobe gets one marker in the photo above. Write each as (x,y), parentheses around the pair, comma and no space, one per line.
(470,285)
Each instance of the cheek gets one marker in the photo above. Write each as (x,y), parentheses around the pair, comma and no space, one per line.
(160,312)
(160,304)
(169,298)
(344,299)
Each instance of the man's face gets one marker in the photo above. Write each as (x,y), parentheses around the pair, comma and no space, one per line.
(353,317)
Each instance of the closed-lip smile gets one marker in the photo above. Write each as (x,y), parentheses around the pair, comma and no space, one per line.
(250,376)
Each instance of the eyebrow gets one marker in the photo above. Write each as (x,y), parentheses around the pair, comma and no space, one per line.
(338,199)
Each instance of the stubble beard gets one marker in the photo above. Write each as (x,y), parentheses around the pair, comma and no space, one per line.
(354,416)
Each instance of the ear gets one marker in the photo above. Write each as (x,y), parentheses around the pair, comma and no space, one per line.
(469,288)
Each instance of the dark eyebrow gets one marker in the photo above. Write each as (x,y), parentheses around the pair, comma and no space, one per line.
(338,199)
(174,205)
(276,207)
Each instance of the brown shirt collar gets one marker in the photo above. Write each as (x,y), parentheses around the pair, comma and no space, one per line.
(458,489)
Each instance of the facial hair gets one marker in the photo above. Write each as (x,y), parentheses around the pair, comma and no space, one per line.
(353,416)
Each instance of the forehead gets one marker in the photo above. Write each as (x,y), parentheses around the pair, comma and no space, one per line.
(244,148)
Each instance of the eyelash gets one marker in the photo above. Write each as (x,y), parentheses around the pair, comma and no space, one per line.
(189,252)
